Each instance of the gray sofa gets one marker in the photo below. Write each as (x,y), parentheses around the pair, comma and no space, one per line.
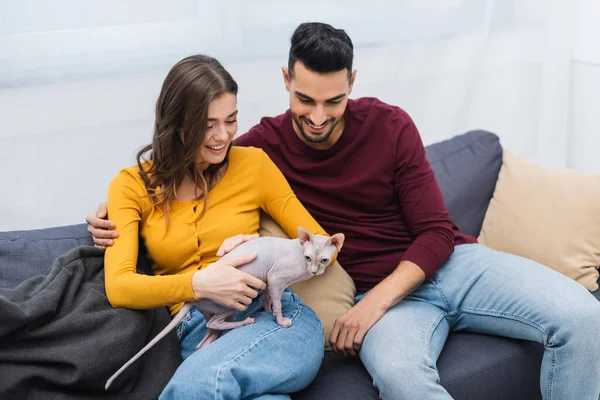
(471,366)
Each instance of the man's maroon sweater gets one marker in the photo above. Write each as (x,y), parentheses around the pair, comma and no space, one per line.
(374,185)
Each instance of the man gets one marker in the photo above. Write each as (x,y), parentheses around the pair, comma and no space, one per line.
(359,167)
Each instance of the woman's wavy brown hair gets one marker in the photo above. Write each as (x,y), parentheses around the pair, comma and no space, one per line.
(179,130)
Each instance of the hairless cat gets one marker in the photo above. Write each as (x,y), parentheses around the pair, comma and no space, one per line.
(280,263)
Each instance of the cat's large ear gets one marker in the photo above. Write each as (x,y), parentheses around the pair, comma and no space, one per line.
(337,240)
(304,235)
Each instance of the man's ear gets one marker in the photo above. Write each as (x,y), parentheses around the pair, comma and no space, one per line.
(287,79)
(337,240)
(352,79)
(304,235)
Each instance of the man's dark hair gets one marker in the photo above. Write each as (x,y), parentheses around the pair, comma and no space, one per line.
(321,48)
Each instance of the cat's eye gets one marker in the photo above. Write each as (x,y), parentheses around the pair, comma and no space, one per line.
(324,261)
(307,258)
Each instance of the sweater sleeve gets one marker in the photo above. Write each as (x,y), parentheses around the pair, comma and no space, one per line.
(421,202)
(124,286)
(279,201)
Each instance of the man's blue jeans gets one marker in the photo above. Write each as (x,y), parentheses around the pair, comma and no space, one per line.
(261,361)
(486,291)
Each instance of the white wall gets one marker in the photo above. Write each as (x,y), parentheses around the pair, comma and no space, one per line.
(78,79)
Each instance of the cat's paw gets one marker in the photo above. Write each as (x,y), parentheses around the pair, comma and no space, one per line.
(248,321)
(285,322)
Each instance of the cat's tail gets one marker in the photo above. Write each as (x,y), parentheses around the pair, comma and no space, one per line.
(176,319)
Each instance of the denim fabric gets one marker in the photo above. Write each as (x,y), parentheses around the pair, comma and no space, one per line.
(259,361)
(485,291)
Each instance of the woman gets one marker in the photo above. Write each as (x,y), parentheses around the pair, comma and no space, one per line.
(189,191)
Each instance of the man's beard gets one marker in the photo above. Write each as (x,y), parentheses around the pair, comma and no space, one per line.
(312,139)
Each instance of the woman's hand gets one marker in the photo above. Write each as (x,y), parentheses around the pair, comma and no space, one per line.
(224,284)
(233,242)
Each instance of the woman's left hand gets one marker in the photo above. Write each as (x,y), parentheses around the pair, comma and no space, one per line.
(233,242)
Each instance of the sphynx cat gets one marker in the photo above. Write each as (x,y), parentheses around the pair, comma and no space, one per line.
(280,263)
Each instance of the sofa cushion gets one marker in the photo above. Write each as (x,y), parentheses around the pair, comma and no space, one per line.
(550,215)
(476,366)
(466,168)
(471,366)
(340,378)
(24,254)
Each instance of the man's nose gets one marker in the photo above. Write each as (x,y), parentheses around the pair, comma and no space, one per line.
(318,116)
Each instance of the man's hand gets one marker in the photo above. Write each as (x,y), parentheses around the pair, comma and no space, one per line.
(233,242)
(350,328)
(99,227)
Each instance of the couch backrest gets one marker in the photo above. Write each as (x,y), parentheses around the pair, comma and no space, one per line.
(465,166)
(24,254)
